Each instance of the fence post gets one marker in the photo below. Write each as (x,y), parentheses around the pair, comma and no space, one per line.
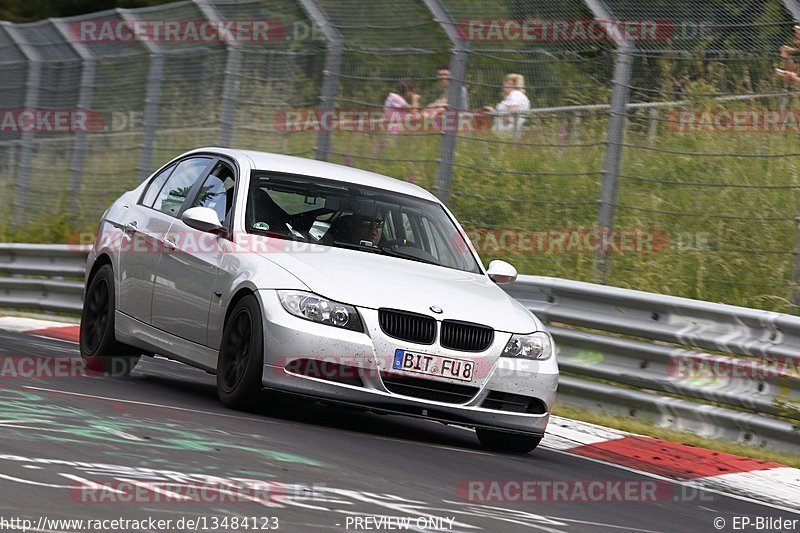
(151,100)
(610,177)
(330,74)
(230,90)
(32,86)
(85,96)
(615,135)
(793,8)
(458,68)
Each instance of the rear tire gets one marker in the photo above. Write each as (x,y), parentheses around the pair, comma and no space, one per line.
(99,348)
(500,441)
(240,363)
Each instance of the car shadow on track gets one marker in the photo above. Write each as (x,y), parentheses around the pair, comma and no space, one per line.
(194,383)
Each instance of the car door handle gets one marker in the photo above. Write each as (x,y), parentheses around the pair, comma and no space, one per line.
(130,228)
(169,244)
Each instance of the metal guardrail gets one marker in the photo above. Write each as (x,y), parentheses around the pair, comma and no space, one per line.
(42,277)
(639,350)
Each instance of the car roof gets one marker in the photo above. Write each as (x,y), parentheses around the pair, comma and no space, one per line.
(320,169)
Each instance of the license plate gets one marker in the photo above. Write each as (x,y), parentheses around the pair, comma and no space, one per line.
(433,365)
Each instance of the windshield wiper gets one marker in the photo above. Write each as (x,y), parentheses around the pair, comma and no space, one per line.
(386,250)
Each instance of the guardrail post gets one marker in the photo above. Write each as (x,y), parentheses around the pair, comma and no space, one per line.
(85,95)
(32,86)
(230,90)
(620,93)
(330,73)
(151,100)
(458,67)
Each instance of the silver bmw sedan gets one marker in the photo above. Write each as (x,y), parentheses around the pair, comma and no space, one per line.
(282,273)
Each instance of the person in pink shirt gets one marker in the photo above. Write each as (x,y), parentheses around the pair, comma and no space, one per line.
(401,106)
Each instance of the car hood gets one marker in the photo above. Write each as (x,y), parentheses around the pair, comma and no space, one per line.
(371,280)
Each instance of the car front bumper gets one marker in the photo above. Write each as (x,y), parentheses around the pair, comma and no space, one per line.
(288,338)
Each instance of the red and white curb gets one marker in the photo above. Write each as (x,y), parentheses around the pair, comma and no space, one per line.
(68,331)
(752,478)
(731,474)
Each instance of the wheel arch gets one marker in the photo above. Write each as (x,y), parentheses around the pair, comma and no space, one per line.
(102,259)
(238,295)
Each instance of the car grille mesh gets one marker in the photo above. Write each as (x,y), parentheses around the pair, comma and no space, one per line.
(427,389)
(515,403)
(406,326)
(466,337)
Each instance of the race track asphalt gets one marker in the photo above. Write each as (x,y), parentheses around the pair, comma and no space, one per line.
(91,447)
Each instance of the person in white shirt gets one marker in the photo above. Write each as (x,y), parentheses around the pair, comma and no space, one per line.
(511,113)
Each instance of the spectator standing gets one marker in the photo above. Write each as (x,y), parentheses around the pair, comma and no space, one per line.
(511,113)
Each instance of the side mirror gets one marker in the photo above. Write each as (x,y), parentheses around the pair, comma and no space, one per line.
(203,219)
(501,272)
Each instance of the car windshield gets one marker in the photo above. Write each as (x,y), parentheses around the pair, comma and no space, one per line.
(344,215)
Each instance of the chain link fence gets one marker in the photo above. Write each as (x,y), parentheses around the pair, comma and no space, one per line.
(657,149)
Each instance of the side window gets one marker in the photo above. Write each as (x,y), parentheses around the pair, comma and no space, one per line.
(217,191)
(409,231)
(439,248)
(388,227)
(155,186)
(426,227)
(177,187)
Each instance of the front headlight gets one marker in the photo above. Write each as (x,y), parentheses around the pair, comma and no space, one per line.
(318,309)
(537,345)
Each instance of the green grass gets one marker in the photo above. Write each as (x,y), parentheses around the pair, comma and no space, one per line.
(722,243)
(726,244)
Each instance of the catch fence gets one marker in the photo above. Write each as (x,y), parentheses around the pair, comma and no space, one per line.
(662,118)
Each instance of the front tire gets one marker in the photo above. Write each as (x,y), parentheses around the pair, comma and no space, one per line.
(500,441)
(241,355)
(99,348)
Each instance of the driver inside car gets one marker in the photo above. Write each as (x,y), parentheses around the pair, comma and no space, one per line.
(365,230)
(357,229)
